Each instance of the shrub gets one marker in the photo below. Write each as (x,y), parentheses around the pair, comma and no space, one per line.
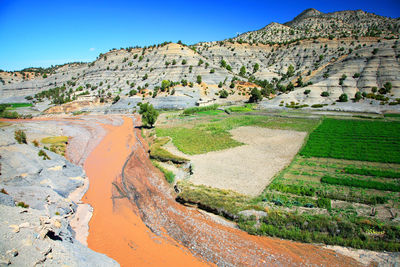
(324,203)
(343,98)
(35,143)
(20,137)
(184,61)
(306,92)
(357,96)
(22,205)
(198,79)
(43,154)
(325,94)
(116,99)
(223,94)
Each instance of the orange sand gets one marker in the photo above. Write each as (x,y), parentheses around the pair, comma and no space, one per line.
(115,229)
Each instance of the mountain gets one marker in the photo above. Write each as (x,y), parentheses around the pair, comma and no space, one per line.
(336,53)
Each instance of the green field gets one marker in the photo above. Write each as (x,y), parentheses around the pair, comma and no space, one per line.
(356,140)
(214,135)
(341,189)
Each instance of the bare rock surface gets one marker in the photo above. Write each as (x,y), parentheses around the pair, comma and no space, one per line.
(38,231)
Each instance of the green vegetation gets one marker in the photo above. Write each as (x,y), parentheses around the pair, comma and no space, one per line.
(194,110)
(43,154)
(149,114)
(215,136)
(372,172)
(255,95)
(169,176)
(246,108)
(54,140)
(22,205)
(58,144)
(315,199)
(392,115)
(160,154)
(356,140)
(371,184)
(20,136)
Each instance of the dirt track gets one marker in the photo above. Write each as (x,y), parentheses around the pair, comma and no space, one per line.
(138,222)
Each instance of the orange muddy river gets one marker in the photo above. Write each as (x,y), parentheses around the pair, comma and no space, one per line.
(116,229)
(137,221)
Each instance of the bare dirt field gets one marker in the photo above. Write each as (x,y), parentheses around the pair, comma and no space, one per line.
(246,169)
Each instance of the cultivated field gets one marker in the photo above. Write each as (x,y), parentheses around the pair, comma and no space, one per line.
(341,189)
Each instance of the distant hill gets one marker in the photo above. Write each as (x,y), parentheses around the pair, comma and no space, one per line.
(312,59)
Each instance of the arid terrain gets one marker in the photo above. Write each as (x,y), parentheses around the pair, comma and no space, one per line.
(276,147)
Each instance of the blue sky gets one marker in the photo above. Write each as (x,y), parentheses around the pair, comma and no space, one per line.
(44,33)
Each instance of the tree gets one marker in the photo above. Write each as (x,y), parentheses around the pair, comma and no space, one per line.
(343,98)
(255,95)
(165,84)
(290,87)
(220,85)
(290,71)
(223,63)
(199,79)
(256,67)
(306,92)
(184,61)
(388,87)
(149,114)
(242,71)
(300,81)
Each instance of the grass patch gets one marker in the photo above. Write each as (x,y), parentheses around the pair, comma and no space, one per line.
(246,108)
(58,144)
(196,141)
(169,175)
(214,135)
(160,154)
(194,110)
(55,139)
(222,202)
(355,140)
(210,112)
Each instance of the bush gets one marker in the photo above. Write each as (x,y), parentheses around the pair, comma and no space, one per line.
(325,94)
(324,203)
(43,154)
(198,79)
(357,97)
(306,92)
(149,114)
(343,98)
(20,136)
(223,94)
(116,99)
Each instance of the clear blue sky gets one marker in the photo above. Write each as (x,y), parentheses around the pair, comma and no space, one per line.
(44,33)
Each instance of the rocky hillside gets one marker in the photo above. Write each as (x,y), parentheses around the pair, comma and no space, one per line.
(294,62)
(312,23)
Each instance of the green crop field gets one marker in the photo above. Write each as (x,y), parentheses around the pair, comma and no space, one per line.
(356,140)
